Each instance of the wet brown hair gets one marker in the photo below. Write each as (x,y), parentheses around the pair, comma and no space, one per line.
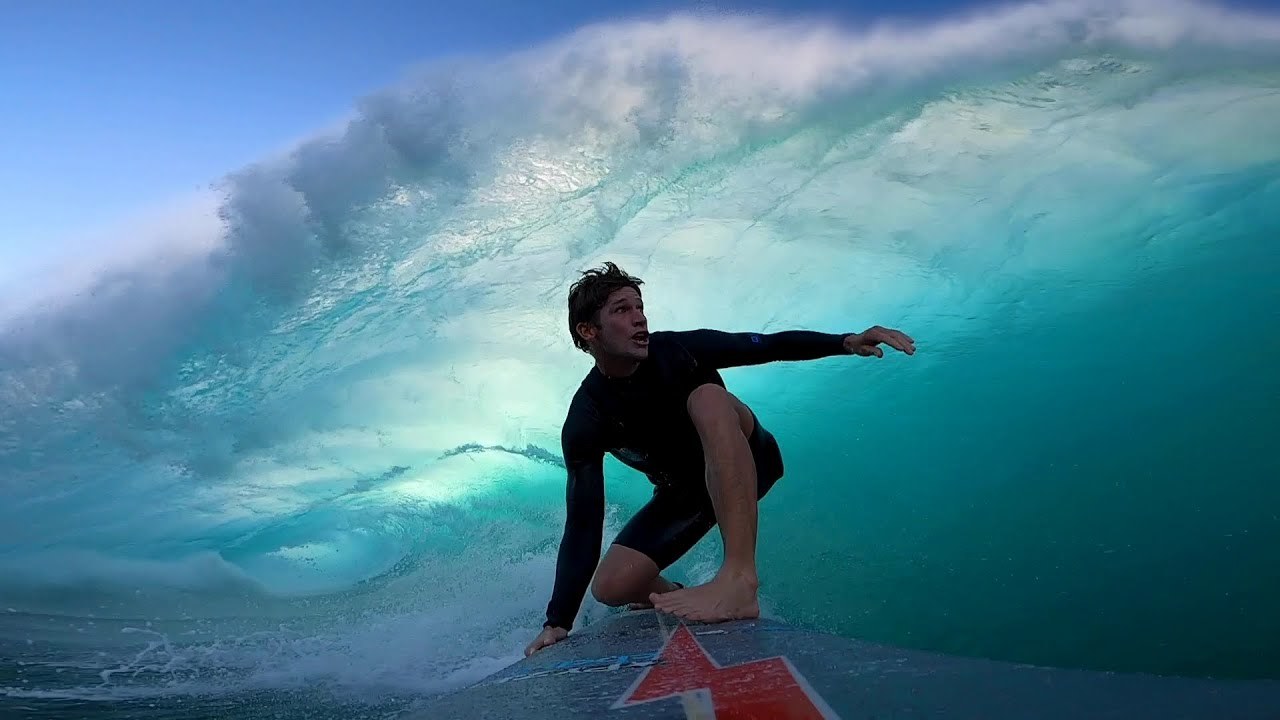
(589,294)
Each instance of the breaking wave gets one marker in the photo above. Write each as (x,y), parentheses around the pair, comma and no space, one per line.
(315,416)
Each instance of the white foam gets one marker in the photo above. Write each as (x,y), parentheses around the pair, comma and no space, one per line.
(424,633)
(156,243)
(80,569)
(744,68)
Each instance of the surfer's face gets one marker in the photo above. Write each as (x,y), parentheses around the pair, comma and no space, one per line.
(622,329)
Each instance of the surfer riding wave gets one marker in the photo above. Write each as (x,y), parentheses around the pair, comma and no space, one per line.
(656,401)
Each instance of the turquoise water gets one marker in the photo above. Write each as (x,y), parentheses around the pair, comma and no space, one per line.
(312,462)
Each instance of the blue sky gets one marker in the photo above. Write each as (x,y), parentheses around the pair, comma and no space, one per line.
(113,108)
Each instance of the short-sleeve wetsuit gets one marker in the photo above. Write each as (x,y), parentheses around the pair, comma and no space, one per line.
(642,420)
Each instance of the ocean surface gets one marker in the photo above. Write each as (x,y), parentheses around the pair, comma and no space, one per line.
(298,455)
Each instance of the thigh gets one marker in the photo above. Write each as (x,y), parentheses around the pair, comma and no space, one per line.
(767,455)
(669,525)
(764,446)
(681,514)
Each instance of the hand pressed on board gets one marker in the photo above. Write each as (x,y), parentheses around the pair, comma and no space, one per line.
(548,636)
(867,343)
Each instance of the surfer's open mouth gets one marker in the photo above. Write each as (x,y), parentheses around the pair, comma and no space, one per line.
(641,338)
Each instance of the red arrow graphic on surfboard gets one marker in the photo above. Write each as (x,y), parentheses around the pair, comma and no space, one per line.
(769,689)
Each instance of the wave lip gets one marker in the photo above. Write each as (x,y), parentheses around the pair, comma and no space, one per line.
(446,122)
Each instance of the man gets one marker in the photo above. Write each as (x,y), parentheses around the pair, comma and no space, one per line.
(656,401)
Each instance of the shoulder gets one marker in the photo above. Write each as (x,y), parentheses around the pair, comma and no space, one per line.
(666,341)
(581,404)
(582,419)
(693,344)
(670,336)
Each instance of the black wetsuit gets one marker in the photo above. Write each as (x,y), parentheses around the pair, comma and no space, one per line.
(643,421)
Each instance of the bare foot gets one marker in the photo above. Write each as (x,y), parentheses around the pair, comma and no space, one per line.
(727,597)
(649,605)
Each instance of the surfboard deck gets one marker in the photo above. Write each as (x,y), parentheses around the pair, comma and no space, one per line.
(646,665)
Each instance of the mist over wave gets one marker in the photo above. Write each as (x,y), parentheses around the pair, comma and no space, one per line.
(334,402)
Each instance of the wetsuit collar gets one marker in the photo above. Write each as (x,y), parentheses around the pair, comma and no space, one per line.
(607,376)
(603,377)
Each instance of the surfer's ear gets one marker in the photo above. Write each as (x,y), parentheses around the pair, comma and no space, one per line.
(587,330)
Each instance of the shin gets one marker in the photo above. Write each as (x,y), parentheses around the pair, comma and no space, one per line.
(724,423)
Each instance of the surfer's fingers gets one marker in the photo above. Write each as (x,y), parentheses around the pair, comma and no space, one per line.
(899,341)
(895,339)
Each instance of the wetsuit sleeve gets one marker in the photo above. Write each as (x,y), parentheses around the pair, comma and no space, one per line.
(584,523)
(719,349)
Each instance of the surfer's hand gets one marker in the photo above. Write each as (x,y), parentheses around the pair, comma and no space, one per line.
(548,636)
(867,343)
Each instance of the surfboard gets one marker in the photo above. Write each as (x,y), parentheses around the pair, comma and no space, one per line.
(647,665)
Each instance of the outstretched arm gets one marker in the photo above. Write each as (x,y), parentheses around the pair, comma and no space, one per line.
(583,531)
(719,349)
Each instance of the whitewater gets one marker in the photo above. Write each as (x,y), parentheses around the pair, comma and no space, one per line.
(294,448)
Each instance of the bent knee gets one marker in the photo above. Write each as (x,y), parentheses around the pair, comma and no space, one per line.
(711,404)
(611,589)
